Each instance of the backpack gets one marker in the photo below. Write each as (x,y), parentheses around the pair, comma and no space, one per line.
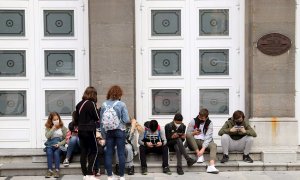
(153,139)
(110,118)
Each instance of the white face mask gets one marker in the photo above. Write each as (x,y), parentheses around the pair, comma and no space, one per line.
(55,123)
(177,125)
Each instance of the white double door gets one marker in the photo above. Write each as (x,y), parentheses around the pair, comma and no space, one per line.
(190,55)
(45,66)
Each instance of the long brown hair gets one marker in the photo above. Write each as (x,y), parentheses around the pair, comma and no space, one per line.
(114,93)
(49,123)
(90,93)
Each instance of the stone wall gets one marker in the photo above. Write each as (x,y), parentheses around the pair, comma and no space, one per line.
(271,78)
(112,48)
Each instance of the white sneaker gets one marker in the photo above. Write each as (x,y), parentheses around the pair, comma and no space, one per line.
(212,169)
(85,178)
(122,178)
(200,159)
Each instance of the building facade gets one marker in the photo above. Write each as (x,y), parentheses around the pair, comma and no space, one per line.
(169,56)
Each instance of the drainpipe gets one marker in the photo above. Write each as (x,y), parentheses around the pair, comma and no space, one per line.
(297,66)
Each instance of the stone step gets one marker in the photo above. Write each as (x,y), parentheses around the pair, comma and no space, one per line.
(39,169)
(39,156)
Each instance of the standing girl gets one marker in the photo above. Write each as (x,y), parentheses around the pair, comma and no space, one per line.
(116,135)
(87,116)
(56,137)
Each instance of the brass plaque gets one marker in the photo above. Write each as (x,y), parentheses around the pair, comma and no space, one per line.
(274,44)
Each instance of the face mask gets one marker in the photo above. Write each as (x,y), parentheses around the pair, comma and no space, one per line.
(238,123)
(177,125)
(55,123)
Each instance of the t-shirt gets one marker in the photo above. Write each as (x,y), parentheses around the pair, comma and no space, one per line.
(201,135)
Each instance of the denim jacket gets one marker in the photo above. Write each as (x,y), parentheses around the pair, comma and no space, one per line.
(121,111)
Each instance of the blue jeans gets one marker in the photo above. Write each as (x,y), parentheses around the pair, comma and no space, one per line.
(73,146)
(115,138)
(53,153)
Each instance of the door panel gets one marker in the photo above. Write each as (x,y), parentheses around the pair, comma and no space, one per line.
(188,57)
(44,66)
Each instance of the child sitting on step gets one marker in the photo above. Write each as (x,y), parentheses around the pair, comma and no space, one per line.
(56,139)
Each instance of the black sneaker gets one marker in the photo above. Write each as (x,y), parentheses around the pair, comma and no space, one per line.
(131,170)
(225,158)
(180,171)
(166,170)
(191,161)
(144,171)
(247,158)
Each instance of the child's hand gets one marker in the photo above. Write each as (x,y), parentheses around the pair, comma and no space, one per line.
(158,144)
(55,145)
(149,144)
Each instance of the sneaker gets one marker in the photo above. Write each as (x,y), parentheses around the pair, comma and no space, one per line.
(166,170)
(225,158)
(122,178)
(212,169)
(130,170)
(144,171)
(200,159)
(56,174)
(247,158)
(66,163)
(48,174)
(180,171)
(191,162)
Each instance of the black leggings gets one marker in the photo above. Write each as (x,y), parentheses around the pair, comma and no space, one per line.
(89,151)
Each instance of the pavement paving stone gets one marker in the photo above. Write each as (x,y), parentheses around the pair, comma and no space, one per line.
(233,175)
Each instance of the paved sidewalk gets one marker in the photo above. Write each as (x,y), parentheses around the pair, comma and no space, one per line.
(240,175)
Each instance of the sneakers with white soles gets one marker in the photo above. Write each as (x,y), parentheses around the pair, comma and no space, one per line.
(200,159)
(212,169)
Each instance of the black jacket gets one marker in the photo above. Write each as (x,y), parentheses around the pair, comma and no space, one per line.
(88,116)
(170,129)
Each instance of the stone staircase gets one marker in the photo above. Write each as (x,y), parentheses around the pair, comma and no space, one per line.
(17,162)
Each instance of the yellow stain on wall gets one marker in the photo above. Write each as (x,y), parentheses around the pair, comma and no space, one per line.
(274,129)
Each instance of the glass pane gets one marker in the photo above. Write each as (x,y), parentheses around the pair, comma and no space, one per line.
(166,22)
(214,62)
(166,101)
(12,63)
(12,23)
(166,62)
(12,103)
(214,22)
(61,101)
(59,63)
(215,100)
(58,22)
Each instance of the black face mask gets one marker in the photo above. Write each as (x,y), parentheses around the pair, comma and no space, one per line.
(238,123)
